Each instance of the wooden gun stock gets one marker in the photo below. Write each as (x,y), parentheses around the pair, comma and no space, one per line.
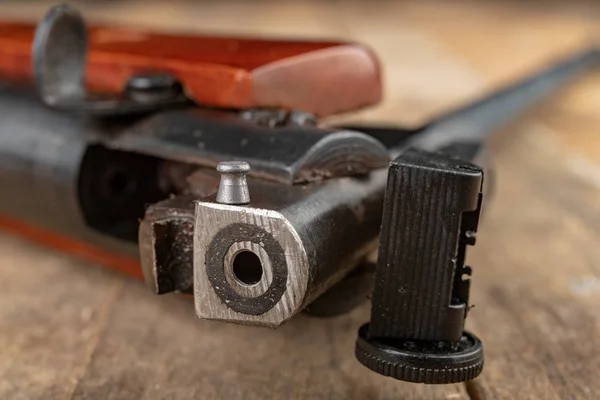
(322,78)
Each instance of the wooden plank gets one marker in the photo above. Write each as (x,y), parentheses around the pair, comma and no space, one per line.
(157,348)
(52,310)
(537,281)
(537,276)
(69,330)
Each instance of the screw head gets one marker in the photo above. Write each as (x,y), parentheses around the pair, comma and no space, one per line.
(151,82)
(151,87)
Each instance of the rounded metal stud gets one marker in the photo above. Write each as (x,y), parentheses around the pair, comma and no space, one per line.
(233,188)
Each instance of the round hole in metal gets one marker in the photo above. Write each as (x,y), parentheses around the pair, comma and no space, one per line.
(247,267)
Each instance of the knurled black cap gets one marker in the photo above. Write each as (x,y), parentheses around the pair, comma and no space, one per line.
(421,361)
(420,296)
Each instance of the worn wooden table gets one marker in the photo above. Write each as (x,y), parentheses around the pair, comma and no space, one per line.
(71,330)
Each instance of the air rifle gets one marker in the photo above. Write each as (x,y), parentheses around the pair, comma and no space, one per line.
(205,166)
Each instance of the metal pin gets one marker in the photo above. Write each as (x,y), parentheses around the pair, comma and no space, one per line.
(233,188)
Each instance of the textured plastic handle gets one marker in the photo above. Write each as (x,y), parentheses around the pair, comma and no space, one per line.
(431,211)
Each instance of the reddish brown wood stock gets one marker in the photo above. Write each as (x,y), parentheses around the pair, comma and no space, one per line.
(323,78)
(72,246)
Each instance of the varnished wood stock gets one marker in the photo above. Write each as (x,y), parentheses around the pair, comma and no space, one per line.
(323,78)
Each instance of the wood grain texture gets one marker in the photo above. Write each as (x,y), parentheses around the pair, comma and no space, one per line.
(537,284)
(84,251)
(82,333)
(323,78)
(68,330)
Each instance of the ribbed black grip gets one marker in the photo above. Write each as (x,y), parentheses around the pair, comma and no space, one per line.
(431,211)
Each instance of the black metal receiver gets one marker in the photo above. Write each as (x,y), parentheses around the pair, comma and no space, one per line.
(262,214)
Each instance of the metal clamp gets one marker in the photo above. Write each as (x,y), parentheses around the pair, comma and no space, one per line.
(60,49)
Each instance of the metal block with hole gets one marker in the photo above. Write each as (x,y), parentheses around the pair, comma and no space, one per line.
(293,232)
(250,265)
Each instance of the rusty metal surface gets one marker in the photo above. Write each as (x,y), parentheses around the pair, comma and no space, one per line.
(287,154)
(166,245)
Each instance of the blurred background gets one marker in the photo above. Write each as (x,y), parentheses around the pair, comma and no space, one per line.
(435,55)
(71,331)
